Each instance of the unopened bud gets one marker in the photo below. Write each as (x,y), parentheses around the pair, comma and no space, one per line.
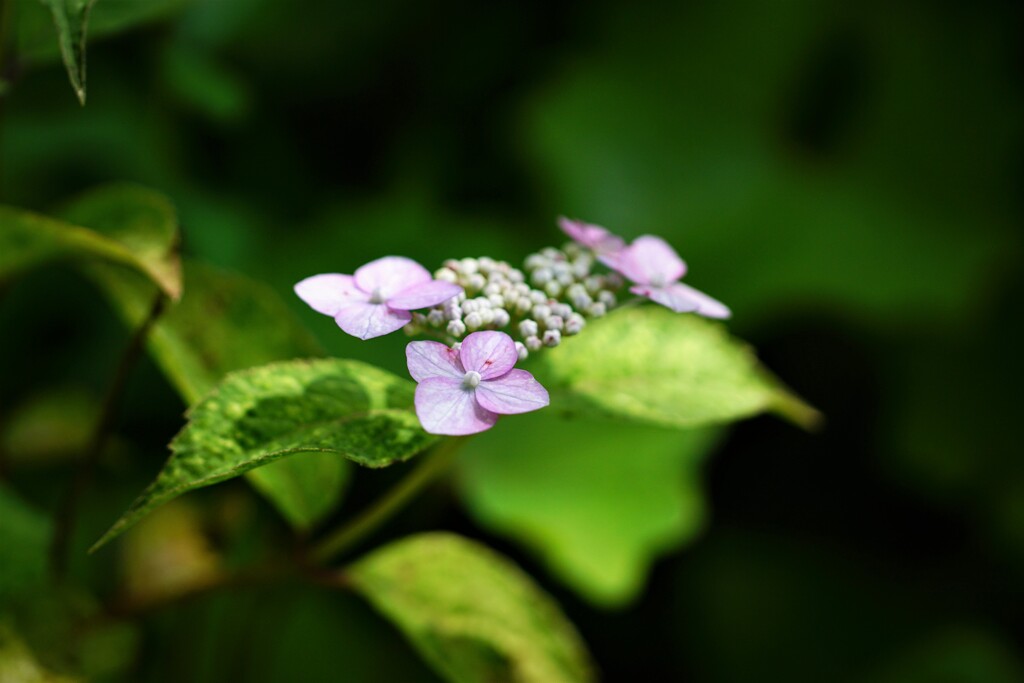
(435,317)
(528,328)
(607,298)
(534,343)
(476,282)
(522,351)
(574,323)
(469,266)
(446,274)
(596,309)
(456,328)
(500,318)
(552,338)
(474,321)
(553,288)
(554,322)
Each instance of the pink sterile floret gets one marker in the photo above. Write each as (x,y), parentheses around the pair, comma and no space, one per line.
(656,269)
(378,298)
(464,390)
(605,245)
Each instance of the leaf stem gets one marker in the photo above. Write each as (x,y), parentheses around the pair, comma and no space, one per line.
(348,535)
(65,523)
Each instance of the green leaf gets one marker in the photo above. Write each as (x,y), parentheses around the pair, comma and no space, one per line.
(71,18)
(472,614)
(303,489)
(123,224)
(597,501)
(19,664)
(227,322)
(260,415)
(24,540)
(653,366)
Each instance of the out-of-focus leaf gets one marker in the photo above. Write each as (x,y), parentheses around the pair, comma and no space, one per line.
(168,554)
(24,539)
(123,224)
(227,322)
(71,19)
(472,614)
(652,366)
(962,654)
(260,415)
(598,502)
(50,427)
(19,665)
(303,489)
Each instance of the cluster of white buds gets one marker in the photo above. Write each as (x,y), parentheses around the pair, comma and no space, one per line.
(552,299)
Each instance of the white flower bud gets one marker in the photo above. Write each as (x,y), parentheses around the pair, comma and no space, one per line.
(435,317)
(607,298)
(486,264)
(500,317)
(572,250)
(457,345)
(561,310)
(456,328)
(515,275)
(552,254)
(474,321)
(528,328)
(522,351)
(453,312)
(496,300)
(559,269)
(476,282)
(534,343)
(594,284)
(492,288)
(535,261)
(596,309)
(554,322)
(538,297)
(523,305)
(453,265)
(581,300)
(574,323)
(470,306)
(541,311)
(469,266)
(552,338)
(446,274)
(411,329)
(541,277)
(553,288)
(566,279)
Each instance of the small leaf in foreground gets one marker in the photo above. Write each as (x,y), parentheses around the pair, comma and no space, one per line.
(260,415)
(471,613)
(653,366)
(597,501)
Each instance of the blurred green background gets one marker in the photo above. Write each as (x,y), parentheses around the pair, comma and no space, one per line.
(846,176)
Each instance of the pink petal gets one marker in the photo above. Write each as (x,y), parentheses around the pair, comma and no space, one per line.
(366,320)
(650,260)
(329,293)
(516,392)
(490,353)
(444,406)
(390,275)
(684,299)
(428,359)
(424,295)
(592,236)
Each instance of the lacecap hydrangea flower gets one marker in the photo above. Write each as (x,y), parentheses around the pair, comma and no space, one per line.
(378,299)
(463,390)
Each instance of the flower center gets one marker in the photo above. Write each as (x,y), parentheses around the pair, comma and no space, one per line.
(471,380)
(377,297)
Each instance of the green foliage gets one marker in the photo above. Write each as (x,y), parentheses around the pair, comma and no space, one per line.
(122,224)
(260,415)
(50,427)
(597,501)
(303,489)
(24,541)
(71,18)
(18,664)
(652,366)
(472,614)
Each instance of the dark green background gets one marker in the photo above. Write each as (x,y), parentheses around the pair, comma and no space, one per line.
(847,176)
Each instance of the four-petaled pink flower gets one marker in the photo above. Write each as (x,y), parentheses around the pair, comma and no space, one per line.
(656,269)
(605,245)
(378,298)
(464,390)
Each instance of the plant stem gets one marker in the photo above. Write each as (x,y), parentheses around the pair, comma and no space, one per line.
(65,524)
(348,535)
